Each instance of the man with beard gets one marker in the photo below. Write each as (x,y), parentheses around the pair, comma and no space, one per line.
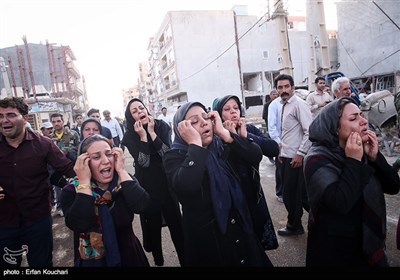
(295,120)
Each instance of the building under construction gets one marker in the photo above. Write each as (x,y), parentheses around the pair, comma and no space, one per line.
(45,75)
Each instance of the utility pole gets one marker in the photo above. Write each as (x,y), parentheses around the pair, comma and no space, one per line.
(284,58)
(238,60)
(3,69)
(319,41)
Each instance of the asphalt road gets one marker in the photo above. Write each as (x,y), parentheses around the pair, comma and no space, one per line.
(291,250)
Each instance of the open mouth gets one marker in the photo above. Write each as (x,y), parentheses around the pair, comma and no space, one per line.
(206,133)
(6,128)
(106,172)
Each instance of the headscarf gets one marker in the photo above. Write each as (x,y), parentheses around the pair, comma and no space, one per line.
(326,151)
(224,186)
(222,101)
(132,140)
(89,121)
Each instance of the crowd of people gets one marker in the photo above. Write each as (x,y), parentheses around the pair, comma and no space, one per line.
(202,182)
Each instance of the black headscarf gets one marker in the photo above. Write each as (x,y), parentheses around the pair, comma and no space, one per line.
(222,101)
(89,121)
(326,151)
(224,186)
(132,140)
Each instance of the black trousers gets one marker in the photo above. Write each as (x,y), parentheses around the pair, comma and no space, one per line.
(294,193)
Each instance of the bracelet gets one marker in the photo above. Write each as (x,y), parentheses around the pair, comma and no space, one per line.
(82,186)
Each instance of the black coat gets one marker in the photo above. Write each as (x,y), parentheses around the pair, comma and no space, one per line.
(205,245)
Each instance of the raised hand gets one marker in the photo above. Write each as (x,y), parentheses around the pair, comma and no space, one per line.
(241,127)
(119,159)
(82,168)
(150,125)
(219,128)
(139,129)
(229,125)
(188,133)
(371,147)
(354,148)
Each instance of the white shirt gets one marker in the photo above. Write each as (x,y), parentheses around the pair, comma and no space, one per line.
(114,127)
(166,118)
(296,119)
(274,120)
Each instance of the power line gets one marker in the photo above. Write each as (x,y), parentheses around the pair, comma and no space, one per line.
(386,15)
(349,54)
(208,64)
(380,61)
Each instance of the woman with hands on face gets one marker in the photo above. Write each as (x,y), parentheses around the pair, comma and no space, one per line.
(201,167)
(99,206)
(346,179)
(229,109)
(147,139)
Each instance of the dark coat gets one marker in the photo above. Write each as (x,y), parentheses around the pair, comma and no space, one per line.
(79,210)
(154,181)
(205,244)
(347,221)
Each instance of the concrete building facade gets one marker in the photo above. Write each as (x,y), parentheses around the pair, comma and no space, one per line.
(46,76)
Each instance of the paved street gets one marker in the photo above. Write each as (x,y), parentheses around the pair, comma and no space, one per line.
(291,251)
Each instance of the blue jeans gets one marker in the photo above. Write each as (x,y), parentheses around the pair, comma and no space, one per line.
(38,239)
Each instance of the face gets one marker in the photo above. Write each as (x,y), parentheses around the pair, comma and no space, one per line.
(320,85)
(231,111)
(79,120)
(12,123)
(107,116)
(352,121)
(90,129)
(95,116)
(327,89)
(285,90)
(101,162)
(47,131)
(201,123)
(344,90)
(58,123)
(139,112)
(273,95)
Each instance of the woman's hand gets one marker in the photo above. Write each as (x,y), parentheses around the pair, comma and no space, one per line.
(139,129)
(119,165)
(354,148)
(219,128)
(82,169)
(229,125)
(241,127)
(119,159)
(150,125)
(371,146)
(189,134)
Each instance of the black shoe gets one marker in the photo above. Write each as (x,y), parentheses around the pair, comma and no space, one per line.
(159,262)
(289,232)
(158,258)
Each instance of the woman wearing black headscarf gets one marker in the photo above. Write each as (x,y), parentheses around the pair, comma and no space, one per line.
(217,222)
(346,178)
(230,111)
(147,139)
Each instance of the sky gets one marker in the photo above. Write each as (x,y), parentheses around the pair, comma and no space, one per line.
(108,37)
